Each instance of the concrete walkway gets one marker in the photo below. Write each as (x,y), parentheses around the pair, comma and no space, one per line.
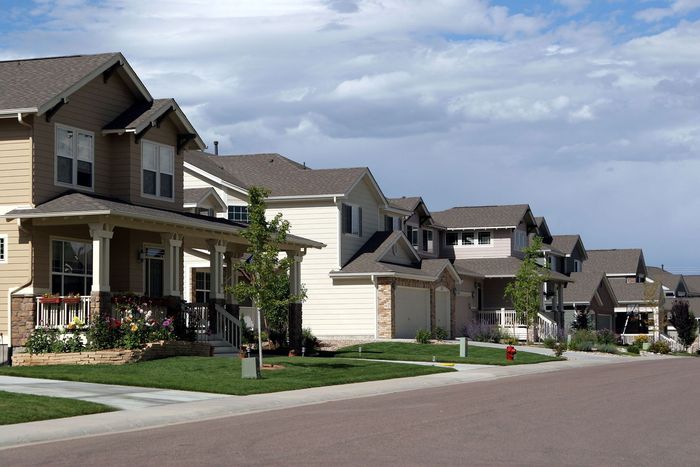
(173,407)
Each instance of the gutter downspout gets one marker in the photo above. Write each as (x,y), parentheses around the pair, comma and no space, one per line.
(376,305)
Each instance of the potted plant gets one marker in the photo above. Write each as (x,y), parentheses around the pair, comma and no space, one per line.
(71,298)
(50,298)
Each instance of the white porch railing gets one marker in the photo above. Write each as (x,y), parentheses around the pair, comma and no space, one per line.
(509,321)
(63,312)
(673,344)
(228,327)
(225,326)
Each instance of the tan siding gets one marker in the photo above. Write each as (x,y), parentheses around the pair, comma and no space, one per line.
(364,196)
(137,239)
(90,108)
(16,272)
(15,163)
(499,248)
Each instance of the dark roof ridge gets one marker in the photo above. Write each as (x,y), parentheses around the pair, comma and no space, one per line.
(57,57)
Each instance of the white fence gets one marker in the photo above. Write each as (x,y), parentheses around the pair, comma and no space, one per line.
(54,312)
(510,322)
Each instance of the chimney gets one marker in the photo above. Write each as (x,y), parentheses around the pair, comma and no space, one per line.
(662,267)
(216,148)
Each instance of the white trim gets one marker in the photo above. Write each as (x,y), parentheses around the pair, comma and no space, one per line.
(74,175)
(214,178)
(170,199)
(12,113)
(60,238)
(4,238)
(483,228)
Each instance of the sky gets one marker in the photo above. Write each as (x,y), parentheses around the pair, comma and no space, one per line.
(585,109)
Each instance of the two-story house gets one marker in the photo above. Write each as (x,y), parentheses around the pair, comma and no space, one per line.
(92,196)
(489,240)
(370,281)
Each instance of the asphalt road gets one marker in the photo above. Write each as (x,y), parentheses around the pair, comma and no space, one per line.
(641,413)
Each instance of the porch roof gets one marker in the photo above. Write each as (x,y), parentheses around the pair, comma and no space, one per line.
(81,205)
(585,286)
(493,268)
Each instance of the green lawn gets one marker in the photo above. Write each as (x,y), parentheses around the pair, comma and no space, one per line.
(449,353)
(20,408)
(223,375)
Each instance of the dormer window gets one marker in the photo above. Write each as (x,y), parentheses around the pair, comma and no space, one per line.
(428,240)
(352,219)
(158,170)
(74,157)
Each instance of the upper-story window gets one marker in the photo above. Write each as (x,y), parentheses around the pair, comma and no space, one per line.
(74,157)
(158,168)
(3,248)
(484,238)
(577,265)
(352,219)
(467,238)
(427,240)
(238,213)
(412,234)
(520,239)
(391,223)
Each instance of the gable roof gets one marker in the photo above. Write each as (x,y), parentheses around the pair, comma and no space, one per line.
(282,176)
(196,196)
(616,261)
(667,279)
(692,281)
(368,261)
(494,268)
(407,203)
(568,243)
(635,292)
(543,229)
(585,286)
(473,217)
(36,85)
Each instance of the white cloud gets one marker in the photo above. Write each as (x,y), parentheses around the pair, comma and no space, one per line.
(677,7)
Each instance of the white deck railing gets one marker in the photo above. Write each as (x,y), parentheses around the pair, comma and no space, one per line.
(62,313)
(228,327)
(509,321)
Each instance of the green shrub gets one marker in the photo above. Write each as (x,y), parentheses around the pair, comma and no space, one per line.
(440,334)
(582,340)
(607,348)
(633,348)
(606,336)
(509,340)
(559,348)
(423,336)
(549,342)
(308,340)
(103,333)
(659,347)
(41,340)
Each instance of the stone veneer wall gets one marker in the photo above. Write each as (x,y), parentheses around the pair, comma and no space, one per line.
(23,318)
(152,351)
(386,301)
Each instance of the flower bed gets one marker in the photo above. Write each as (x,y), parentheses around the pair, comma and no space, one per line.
(151,351)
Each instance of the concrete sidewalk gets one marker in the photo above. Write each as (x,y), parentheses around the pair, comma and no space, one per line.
(168,410)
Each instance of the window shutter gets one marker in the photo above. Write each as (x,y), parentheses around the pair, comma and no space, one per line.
(359,221)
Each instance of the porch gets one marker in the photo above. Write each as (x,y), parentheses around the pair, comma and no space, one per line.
(508,321)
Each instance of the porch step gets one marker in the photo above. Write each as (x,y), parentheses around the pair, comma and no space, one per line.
(223,348)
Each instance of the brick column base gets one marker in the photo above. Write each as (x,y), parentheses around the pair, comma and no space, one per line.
(294,327)
(100,304)
(23,318)
(385,310)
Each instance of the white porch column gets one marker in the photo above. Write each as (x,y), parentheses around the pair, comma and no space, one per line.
(231,276)
(101,235)
(560,304)
(172,244)
(216,268)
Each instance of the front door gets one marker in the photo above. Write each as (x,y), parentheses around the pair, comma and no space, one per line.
(153,272)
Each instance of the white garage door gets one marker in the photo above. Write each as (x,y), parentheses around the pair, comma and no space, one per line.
(412,311)
(442,309)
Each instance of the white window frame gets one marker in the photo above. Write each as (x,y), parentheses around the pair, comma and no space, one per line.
(478,238)
(410,231)
(74,175)
(462,234)
(4,241)
(88,287)
(577,265)
(247,213)
(355,220)
(158,172)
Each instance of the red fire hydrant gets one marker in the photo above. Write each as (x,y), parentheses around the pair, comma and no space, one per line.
(510,352)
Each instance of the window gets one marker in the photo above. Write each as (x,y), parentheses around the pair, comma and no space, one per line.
(158,167)
(451,238)
(74,157)
(205,212)
(427,240)
(352,219)
(3,248)
(520,239)
(238,213)
(467,238)
(412,234)
(484,238)
(202,287)
(71,267)
(153,272)
(577,265)
(392,224)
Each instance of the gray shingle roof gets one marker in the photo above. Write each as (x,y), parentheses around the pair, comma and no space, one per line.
(565,243)
(282,176)
(139,114)
(693,283)
(195,195)
(620,261)
(634,292)
(584,286)
(32,83)
(407,203)
(693,304)
(666,278)
(80,204)
(367,260)
(499,267)
(482,216)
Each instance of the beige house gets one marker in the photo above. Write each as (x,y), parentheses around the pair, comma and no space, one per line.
(92,199)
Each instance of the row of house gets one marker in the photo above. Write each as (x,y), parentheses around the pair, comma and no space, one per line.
(108,190)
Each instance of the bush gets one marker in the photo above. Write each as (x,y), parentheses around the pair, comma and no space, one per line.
(607,348)
(440,334)
(423,336)
(639,340)
(633,348)
(482,332)
(43,340)
(659,347)
(103,333)
(582,340)
(559,348)
(549,342)
(606,336)
(509,340)
(309,341)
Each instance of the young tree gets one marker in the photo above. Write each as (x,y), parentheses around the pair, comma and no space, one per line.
(683,319)
(266,271)
(525,291)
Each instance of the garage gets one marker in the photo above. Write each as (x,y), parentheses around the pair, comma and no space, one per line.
(442,308)
(412,311)
(463,313)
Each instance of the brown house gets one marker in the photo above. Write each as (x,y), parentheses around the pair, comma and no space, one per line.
(92,199)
